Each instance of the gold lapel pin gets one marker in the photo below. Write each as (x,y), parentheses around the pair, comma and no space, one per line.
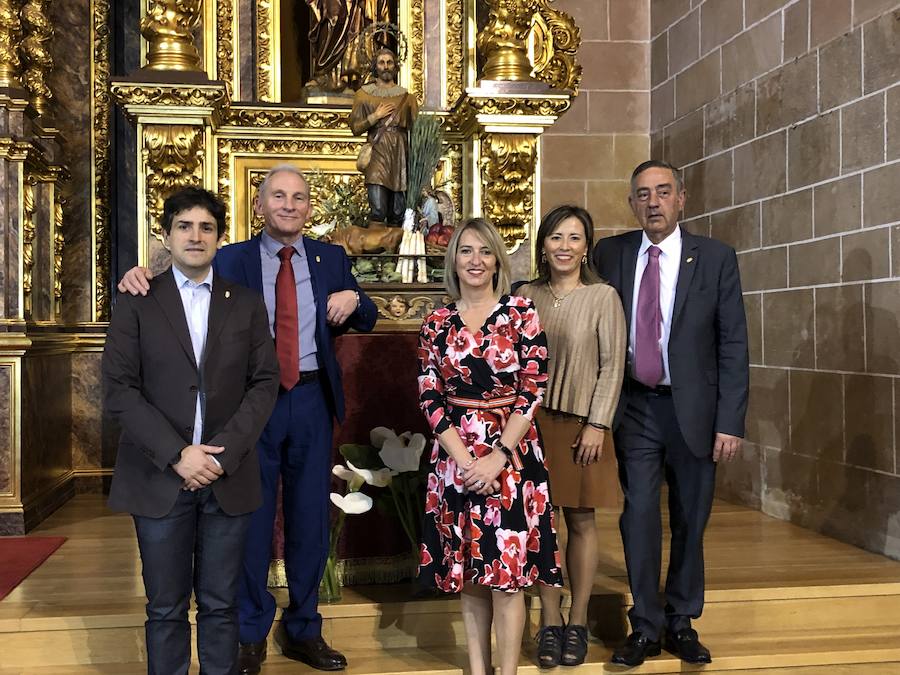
(689,260)
(318,259)
(227,294)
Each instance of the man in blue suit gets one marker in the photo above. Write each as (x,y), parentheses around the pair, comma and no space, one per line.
(296,443)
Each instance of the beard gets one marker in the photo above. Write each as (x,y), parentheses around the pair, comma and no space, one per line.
(386,74)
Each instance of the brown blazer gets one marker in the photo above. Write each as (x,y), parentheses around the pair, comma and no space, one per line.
(150,382)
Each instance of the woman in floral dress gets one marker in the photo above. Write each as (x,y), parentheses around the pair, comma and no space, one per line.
(488,529)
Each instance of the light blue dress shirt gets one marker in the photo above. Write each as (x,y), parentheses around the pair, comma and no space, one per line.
(306,302)
(195,298)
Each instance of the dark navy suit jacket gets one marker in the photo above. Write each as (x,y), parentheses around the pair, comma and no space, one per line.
(329,269)
(708,356)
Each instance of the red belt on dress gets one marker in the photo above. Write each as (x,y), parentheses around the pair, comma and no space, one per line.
(483,404)
(491,404)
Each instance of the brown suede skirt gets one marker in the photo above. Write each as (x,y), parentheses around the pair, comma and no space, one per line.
(572,485)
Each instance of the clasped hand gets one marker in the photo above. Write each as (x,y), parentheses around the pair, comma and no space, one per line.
(197,467)
(484,472)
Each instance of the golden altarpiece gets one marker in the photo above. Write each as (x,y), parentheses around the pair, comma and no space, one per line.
(214,93)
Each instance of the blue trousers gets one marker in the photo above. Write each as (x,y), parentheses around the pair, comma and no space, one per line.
(195,546)
(295,445)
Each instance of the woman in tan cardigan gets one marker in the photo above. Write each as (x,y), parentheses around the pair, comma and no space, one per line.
(585,327)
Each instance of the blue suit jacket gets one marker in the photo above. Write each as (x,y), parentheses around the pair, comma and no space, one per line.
(329,269)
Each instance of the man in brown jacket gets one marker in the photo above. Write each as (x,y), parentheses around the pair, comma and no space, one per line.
(190,374)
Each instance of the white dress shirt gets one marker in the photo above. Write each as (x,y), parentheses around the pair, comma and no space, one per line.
(669,263)
(195,298)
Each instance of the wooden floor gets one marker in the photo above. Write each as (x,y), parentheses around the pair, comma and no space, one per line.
(780,599)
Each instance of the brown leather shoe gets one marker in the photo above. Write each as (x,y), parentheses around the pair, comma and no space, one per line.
(250,657)
(313,652)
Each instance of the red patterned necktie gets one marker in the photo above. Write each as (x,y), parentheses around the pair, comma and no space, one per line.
(287,324)
(648,364)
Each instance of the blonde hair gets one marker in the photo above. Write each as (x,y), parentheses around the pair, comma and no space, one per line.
(494,242)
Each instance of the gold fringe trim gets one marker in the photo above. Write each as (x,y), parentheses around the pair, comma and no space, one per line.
(357,571)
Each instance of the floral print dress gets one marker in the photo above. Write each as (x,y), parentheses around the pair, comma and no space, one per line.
(475,382)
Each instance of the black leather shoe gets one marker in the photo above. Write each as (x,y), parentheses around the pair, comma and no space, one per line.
(636,648)
(313,652)
(686,645)
(250,657)
(575,645)
(549,646)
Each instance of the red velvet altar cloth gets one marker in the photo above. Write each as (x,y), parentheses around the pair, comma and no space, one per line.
(380,389)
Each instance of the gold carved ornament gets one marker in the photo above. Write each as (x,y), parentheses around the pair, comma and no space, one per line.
(507,176)
(210,96)
(502,40)
(35,50)
(267,118)
(169,27)
(224,40)
(265,89)
(100,147)
(553,45)
(401,308)
(528,39)
(455,53)
(173,155)
(417,50)
(59,241)
(9,53)
(28,234)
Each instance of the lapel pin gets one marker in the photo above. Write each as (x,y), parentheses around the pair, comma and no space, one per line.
(689,260)
(227,294)
(318,259)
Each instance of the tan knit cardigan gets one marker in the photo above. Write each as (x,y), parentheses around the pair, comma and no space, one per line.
(587,340)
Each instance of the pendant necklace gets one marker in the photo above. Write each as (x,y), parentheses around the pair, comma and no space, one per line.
(557,299)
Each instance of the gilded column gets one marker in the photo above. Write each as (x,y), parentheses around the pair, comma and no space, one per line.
(9,54)
(169,27)
(59,242)
(173,158)
(29,229)
(507,164)
(36,57)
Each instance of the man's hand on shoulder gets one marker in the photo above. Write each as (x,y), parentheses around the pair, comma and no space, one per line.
(136,281)
(726,447)
(341,305)
(197,467)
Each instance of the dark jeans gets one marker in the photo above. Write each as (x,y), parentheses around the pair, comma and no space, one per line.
(198,547)
(650,447)
(386,206)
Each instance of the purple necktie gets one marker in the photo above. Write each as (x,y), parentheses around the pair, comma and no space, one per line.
(648,364)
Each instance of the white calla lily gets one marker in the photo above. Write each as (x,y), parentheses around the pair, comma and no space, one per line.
(353,503)
(379,435)
(374,477)
(354,480)
(402,453)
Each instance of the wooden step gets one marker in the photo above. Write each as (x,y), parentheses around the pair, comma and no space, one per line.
(801,652)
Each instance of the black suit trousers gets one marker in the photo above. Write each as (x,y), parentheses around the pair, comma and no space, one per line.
(650,447)
(195,546)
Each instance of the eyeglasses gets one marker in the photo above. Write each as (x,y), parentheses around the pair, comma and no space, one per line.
(662,192)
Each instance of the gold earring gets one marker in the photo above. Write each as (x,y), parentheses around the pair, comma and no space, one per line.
(584,259)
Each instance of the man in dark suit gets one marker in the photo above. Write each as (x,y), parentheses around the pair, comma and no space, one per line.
(190,373)
(296,444)
(682,406)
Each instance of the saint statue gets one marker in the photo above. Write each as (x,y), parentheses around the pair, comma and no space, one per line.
(384,111)
(335,25)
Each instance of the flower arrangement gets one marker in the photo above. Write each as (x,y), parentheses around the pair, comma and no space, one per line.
(391,461)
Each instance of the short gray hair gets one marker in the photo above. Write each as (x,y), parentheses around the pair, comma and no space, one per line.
(281,168)
(658,164)
(494,242)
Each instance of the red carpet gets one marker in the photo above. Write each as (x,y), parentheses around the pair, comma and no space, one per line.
(20,556)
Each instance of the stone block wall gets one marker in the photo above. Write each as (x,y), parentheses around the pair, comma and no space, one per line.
(587,156)
(785,116)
